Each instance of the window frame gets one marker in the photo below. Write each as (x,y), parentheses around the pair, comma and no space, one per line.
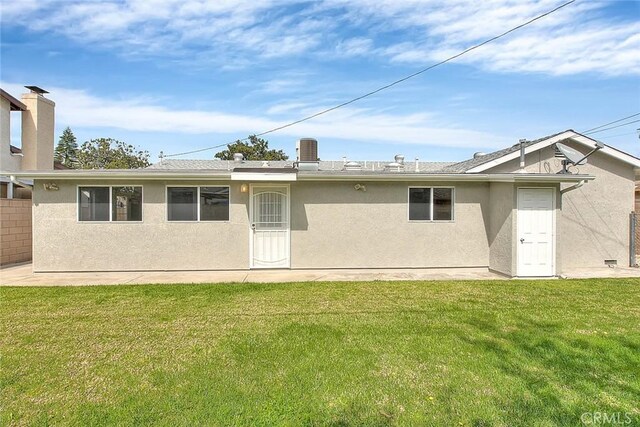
(431,205)
(110,187)
(197,187)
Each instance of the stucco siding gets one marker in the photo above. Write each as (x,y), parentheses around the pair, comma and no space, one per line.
(61,243)
(593,221)
(8,161)
(501,227)
(334,226)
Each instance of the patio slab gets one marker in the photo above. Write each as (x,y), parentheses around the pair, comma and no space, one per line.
(22,275)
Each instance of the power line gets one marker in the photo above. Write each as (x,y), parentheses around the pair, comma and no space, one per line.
(610,123)
(620,134)
(380,89)
(612,127)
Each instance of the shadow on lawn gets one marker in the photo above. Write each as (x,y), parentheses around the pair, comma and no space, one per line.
(562,377)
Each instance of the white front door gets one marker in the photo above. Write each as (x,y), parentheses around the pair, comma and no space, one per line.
(536,240)
(269,214)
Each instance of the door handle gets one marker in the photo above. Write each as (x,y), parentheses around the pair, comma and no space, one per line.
(522,240)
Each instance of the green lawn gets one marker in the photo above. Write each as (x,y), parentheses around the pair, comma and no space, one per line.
(504,353)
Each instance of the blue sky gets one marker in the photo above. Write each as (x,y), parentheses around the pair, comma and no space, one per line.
(179,75)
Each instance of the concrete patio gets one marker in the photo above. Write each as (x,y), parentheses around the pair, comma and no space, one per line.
(22,275)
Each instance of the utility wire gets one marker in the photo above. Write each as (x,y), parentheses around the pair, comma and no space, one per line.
(610,123)
(612,127)
(380,89)
(620,134)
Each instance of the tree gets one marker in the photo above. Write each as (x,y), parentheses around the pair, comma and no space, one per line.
(67,149)
(108,153)
(255,149)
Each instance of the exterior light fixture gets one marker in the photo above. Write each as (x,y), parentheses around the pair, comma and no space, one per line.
(244,188)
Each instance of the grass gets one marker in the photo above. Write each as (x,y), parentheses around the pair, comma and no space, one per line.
(507,353)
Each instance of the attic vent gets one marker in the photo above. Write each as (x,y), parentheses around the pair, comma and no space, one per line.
(557,153)
(352,166)
(397,165)
(307,150)
(238,157)
(479,154)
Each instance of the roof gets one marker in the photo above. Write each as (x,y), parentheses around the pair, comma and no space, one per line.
(480,160)
(335,166)
(15,105)
(56,164)
(483,163)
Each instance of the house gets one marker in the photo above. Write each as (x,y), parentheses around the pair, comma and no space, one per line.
(36,153)
(493,211)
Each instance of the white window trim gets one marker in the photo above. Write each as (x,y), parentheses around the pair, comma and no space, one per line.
(197,187)
(110,187)
(432,187)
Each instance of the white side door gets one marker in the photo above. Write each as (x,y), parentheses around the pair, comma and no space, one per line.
(269,213)
(536,232)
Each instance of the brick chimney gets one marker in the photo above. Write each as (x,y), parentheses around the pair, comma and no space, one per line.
(38,123)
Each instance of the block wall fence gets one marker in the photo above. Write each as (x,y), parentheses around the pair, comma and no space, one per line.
(15,231)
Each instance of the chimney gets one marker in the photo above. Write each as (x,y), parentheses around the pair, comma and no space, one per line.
(38,123)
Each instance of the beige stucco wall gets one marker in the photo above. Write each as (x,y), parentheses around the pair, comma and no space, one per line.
(502,215)
(61,243)
(592,221)
(8,162)
(332,226)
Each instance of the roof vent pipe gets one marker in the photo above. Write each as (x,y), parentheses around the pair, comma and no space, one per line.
(238,157)
(522,141)
(417,165)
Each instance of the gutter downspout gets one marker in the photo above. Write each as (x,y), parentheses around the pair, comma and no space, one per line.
(573,187)
(19,183)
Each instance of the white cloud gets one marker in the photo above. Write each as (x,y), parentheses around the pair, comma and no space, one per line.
(79,109)
(240,33)
(573,40)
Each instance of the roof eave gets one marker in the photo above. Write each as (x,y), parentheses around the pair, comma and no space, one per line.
(147,175)
(142,174)
(449,177)
(15,105)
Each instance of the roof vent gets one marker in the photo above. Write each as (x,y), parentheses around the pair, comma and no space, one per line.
(238,157)
(397,165)
(479,154)
(352,166)
(307,150)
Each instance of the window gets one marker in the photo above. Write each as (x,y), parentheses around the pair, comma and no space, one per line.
(214,203)
(126,203)
(110,203)
(430,204)
(198,203)
(94,204)
(182,202)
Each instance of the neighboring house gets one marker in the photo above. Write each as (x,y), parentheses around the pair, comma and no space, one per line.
(485,212)
(35,153)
